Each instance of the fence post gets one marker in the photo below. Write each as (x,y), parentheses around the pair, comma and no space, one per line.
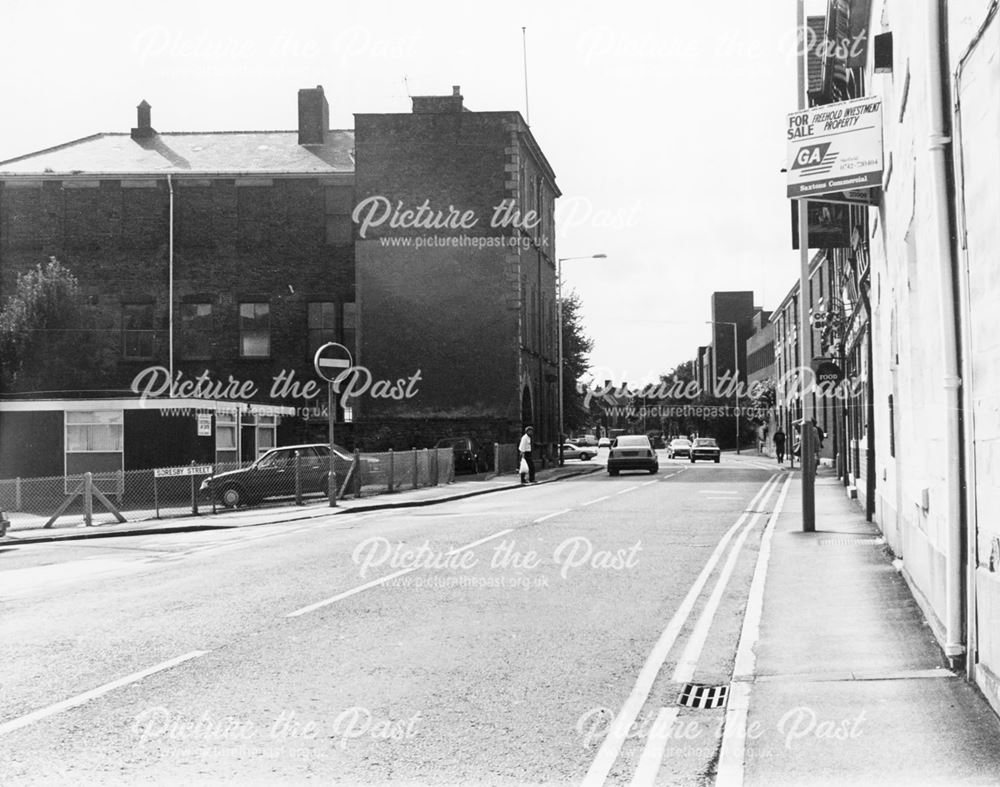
(357,473)
(392,468)
(156,494)
(496,458)
(298,481)
(416,477)
(434,475)
(88,499)
(17,493)
(194,493)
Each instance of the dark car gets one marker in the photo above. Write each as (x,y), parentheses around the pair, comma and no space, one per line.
(632,452)
(469,457)
(705,448)
(273,474)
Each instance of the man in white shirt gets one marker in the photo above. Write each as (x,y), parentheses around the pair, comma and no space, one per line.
(525,448)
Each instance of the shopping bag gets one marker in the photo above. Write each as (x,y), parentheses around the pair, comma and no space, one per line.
(524,466)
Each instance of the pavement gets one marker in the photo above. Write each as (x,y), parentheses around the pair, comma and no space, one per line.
(843,682)
(462,487)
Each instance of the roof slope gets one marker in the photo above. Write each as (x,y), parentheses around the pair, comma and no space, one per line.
(231,152)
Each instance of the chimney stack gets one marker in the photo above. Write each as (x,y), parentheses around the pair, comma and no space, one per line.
(439,104)
(314,116)
(144,129)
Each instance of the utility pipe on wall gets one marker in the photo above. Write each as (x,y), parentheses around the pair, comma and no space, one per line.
(938,142)
(170,285)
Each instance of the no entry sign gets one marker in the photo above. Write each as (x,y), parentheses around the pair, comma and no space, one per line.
(331,361)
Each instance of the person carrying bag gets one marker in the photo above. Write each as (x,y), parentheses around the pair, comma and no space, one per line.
(527,466)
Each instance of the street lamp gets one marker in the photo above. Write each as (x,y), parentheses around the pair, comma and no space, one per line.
(559,263)
(736,364)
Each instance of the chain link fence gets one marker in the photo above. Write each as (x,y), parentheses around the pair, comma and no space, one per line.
(135,495)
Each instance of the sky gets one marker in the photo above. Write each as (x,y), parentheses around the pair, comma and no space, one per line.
(664,122)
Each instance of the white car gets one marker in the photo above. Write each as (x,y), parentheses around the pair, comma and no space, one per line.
(604,442)
(577,452)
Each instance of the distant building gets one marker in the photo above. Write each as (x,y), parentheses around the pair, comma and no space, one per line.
(729,308)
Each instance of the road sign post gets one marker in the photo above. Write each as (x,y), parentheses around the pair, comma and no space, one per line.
(331,362)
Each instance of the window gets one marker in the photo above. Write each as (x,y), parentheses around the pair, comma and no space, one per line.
(196,331)
(94,431)
(322,325)
(266,432)
(339,230)
(255,330)
(138,337)
(350,334)
(225,436)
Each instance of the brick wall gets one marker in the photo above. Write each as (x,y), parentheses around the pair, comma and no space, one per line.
(261,242)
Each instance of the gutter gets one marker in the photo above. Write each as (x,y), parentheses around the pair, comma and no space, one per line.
(939,143)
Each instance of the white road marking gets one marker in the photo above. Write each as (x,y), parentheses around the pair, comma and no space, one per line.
(382,580)
(732,752)
(630,489)
(650,482)
(549,516)
(656,744)
(81,699)
(619,729)
(688,661)
(598,500)
(717,492)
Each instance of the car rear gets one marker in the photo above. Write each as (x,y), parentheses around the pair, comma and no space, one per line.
(632,453)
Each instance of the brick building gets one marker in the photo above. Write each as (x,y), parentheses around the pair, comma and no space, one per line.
(231,255)
(471,304)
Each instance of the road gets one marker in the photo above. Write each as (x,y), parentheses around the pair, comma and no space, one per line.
(537,635)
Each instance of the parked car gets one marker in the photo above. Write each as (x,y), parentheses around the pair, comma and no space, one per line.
(588,440)
(577,452)
(4,524)
(632,452)
(469,457)
(273,474)
(604,442)
(705,448)
(679,446)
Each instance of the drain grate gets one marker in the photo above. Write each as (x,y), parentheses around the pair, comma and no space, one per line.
(848,541)
(696,695)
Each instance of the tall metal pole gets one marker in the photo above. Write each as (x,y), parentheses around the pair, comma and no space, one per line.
(560,326)
(736,364)
(805,338)
(331,477)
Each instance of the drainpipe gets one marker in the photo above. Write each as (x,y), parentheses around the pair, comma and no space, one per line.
(170,286)
(938,143)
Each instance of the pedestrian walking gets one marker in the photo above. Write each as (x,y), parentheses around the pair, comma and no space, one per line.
(779,445)
(527,467)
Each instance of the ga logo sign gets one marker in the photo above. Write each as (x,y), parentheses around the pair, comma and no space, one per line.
(811,155)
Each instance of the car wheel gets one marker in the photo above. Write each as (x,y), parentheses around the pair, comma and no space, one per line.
(232,496)
(612,472)
(654,471)
(584,457)
(692,459)
(717,459)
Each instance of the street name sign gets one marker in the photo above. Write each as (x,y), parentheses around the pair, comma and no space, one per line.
(170,472)
(835,148)
(331,361)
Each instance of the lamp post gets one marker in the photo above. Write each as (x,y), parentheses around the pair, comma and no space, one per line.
(736,365)
(559,263)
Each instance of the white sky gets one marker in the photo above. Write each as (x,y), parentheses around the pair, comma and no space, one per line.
(663,120)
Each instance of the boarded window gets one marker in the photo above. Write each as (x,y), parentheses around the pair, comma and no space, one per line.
(255,330)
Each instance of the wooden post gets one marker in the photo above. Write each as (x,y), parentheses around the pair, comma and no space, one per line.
(357,473)
(194,493)
(298,481)
(156,494)
(17,493)
(392,468)
(416,476)
(88,499)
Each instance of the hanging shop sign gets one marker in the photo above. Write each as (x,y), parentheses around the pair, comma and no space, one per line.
(835,148)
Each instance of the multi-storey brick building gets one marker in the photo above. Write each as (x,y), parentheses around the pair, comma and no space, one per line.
(231,255)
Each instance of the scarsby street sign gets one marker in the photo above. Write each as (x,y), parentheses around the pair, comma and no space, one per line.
(835,148)
(170,472)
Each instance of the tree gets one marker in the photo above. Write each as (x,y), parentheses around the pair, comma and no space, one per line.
(576,361)
(47,337)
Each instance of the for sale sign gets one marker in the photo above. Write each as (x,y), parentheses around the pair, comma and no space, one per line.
(835,148)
